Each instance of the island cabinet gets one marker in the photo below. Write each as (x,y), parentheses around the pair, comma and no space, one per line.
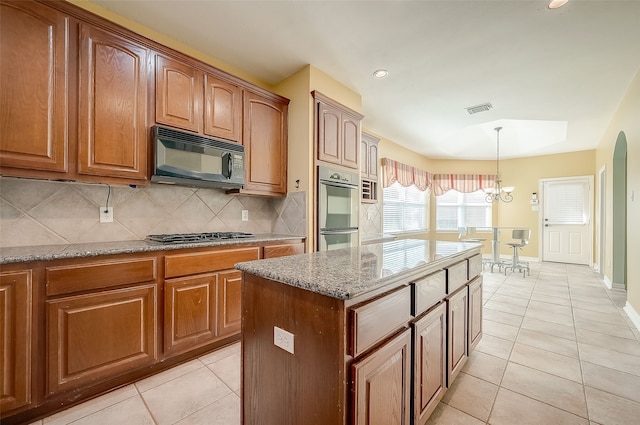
(337,132)
(384,356)
(16,304)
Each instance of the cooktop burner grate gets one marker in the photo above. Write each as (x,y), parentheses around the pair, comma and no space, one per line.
(197,237)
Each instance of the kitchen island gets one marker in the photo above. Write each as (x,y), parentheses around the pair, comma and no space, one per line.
(367,335)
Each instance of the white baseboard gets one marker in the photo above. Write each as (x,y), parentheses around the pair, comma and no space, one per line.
(633,315)
(607,282)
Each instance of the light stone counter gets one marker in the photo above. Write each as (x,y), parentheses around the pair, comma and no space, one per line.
(24,254)
(348,273)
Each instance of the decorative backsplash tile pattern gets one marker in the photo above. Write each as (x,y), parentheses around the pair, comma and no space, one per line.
(371,218)
(36,212)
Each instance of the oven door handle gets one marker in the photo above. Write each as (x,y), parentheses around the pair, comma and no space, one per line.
(338,231)
(338,184)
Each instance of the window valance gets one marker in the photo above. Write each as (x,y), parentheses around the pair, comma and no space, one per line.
(406,175)
(465,183)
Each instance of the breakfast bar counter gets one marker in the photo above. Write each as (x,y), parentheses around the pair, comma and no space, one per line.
(342,336)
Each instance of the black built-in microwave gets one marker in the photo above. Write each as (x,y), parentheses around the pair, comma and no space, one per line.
(191,160)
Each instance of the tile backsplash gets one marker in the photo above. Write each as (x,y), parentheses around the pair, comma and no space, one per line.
(37,212)
(371,218)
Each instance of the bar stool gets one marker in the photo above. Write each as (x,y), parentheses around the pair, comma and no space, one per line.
(523,236)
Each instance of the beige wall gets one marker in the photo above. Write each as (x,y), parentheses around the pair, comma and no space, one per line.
(625,119)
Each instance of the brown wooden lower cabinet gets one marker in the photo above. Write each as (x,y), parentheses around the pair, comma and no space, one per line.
(15,339)
(457,333)
(430,362)
(382,384)
(190,316)
(99,335)
(229,302)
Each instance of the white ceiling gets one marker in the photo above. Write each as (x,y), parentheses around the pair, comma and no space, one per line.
(554,77)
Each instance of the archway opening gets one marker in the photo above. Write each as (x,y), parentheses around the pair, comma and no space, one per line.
(619,254)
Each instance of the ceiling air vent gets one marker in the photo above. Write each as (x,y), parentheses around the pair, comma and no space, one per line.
(479,108)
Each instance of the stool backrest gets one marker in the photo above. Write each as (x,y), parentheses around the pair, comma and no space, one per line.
(522,234)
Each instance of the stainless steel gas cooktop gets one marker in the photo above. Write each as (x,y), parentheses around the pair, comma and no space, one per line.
(176,238)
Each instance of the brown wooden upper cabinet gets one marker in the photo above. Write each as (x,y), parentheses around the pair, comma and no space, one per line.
(34,89)
(193,100)
(265,141)
(369,157)
(338,132)
(112,124)
(40,49)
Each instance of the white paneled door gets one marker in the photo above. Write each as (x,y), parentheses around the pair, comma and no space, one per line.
(567,220)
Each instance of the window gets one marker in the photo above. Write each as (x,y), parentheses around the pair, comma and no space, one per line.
(455,209)
(405,209)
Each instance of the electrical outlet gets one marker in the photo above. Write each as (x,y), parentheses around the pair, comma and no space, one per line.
(283,339)
(106,215)
(245,215)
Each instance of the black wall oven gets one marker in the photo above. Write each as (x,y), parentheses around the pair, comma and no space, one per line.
(338,202)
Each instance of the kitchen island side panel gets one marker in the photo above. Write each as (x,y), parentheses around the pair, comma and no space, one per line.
(279,388)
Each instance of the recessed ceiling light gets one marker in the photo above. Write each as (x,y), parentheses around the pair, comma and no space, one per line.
(555,4)
(381,73)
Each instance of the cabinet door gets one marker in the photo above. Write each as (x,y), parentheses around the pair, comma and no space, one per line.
(189,312)
(229,302)
(112,106)
(265,141)
(364,158)
(430,365)
(96,336)
(381,393)
(223,109)
(34,72)
(15,339)
(179,93)
(457,311)
(350,141)
(373,161)
(475,312)
(329,133)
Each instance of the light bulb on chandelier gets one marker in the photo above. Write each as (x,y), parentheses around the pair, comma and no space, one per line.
(498,193)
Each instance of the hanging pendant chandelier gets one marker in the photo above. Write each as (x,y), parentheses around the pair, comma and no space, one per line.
(498,193)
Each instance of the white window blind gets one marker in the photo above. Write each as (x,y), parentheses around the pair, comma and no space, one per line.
(569,203)
(455,209)
(404,208)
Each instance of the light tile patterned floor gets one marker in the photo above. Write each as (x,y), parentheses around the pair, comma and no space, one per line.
(557,349)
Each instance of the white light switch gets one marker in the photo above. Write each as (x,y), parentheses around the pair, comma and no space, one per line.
(106,215)
(245,215)
(283,339)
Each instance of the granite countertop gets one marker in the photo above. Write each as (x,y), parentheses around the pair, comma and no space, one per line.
(23,254)
(347,273)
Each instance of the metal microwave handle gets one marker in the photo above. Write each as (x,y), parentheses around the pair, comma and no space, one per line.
(229,159)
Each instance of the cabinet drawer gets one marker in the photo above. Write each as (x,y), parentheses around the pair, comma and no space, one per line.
(204,262)
(105,274)
(456,276)
(429,291)
(372,322)
(273,251)
(475,266)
